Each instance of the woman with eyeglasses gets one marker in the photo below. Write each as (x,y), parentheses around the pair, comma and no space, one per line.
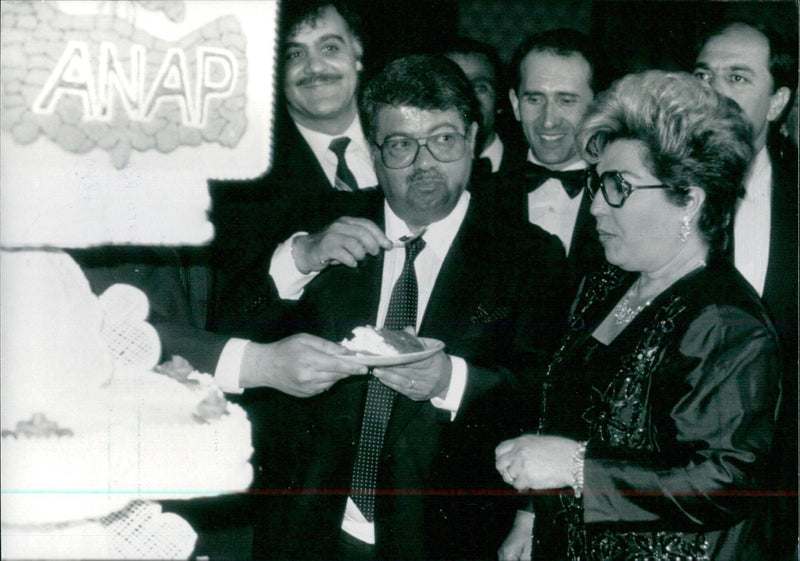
(658,409)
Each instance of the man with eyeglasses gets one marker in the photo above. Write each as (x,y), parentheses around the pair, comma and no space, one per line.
(553,84)
(491,295)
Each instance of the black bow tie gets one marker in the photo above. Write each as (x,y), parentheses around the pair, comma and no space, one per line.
(572,181)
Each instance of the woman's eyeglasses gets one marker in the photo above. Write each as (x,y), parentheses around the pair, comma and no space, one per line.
(614,187)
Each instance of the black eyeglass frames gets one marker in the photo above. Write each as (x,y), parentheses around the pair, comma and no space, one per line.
(616,189)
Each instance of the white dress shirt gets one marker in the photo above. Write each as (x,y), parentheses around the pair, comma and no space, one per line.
(751,227)
(438,238)
(552,209)
(359,160)
(494,152)
(357,154)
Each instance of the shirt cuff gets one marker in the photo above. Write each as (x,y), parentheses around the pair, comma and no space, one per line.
(229,364)
(288,280)
(455,393)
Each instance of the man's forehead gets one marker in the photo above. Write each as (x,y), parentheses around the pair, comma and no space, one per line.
(326,22)
(474,64)
(573,65)
(395,119)
(739,47)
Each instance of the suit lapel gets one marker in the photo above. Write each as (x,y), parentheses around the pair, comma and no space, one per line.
(780,283)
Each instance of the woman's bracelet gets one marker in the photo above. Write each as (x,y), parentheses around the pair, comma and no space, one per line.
(577,469)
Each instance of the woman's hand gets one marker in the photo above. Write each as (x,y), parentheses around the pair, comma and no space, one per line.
(517,545)
(536,461)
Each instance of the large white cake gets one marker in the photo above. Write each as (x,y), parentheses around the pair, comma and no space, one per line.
(82,437)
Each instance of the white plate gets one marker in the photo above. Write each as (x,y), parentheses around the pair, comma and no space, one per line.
(432,346)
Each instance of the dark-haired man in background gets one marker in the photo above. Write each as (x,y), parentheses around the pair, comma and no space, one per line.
(554,83)
(752,66)
(482,65)
(319,147)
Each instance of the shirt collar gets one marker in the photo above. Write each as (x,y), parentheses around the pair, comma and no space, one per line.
(494,152)
(439,235)
(580,164)
(759,177)
(320,141)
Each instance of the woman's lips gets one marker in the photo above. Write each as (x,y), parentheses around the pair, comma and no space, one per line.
(604,236)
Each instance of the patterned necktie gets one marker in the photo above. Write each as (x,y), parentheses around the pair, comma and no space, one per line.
(402,312)
(572,181)
(345,180)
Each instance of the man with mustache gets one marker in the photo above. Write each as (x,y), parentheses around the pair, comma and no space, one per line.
(553,75)
(490,295)
(319,149)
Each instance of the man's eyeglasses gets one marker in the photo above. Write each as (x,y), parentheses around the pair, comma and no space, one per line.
(614,187)
(401,152)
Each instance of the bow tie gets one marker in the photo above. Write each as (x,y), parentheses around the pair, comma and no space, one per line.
(571,181)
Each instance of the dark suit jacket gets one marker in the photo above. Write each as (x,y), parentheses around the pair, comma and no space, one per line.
(177,287)
(780,288)
(497,298)
(780,298)
(508,197)
(253,217)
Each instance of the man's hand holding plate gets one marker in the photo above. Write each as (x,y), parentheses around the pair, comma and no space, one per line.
(421,380)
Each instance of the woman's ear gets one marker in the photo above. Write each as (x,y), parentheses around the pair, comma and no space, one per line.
(696,198)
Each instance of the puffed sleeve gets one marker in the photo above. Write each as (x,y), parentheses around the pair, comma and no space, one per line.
(712,438)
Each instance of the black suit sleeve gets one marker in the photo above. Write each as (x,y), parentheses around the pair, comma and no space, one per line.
(158,272)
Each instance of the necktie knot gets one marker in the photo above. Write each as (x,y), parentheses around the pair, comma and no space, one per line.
(344,180)
(413,249)
(572,181)
(339,145)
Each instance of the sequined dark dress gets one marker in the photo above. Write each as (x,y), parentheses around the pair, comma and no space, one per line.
(678,411)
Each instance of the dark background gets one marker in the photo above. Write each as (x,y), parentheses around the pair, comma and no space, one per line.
(630,35)
(633,32)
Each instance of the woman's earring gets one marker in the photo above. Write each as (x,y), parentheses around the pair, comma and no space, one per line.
(686,230)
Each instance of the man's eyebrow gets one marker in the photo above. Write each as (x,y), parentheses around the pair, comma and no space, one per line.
(740,68)
(297,44)
(329,36)
(728,68)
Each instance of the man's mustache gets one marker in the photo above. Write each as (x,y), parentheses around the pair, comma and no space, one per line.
(315,79)
(424,176)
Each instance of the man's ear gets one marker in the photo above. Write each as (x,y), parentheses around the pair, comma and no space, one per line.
(472,133)
(777,102)
(358,49)
(512,96)
(374,152)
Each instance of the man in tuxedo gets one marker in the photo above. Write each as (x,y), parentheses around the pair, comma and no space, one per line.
(554,83)
(752,66)
(482,65)
(488,296)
